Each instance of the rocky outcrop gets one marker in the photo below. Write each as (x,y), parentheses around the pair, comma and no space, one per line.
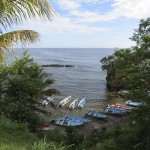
(57,65)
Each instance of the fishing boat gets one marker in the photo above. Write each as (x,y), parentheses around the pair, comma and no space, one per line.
(114,111)
(96,114)
(42,102)
(81,103)
(45,101)
(134,104)
(67,123)
(44,127)
(74,104)
(76,119)
(64,101)
(127,108)
(50,98)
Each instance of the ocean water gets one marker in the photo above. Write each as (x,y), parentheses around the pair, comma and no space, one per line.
(86,79)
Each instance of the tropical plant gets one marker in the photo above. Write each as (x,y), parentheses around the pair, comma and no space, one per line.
(133,68)
(22,84)
(129,68)
(44,145)
(14,12)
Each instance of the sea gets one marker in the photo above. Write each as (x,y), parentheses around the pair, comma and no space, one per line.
(85,79)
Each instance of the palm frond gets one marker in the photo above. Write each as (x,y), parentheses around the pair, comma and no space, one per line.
(9,39)
(13,11)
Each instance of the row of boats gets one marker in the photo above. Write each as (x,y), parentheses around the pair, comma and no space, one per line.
(75,103)
(114,109)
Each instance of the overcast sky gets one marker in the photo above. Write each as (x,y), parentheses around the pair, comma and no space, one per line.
(90,23)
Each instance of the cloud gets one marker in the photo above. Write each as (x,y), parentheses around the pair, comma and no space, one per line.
(137,9)
(85,17)
(68,4)
(62,25)
(131,8)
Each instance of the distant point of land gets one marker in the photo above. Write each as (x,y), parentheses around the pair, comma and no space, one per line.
(57,65)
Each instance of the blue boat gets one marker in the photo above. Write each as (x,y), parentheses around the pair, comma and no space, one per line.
(96,114)
(67,123)
(114,111)
(76,119)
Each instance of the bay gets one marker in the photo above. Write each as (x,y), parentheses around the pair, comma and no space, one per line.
(86,79)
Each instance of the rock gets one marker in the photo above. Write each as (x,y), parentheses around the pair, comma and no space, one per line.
(57,65)
(69,66)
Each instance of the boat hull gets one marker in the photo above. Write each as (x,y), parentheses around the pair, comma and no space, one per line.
(96,114)
(66,123)
(76,119)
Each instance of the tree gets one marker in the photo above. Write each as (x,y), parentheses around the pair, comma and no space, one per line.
(13,12)
(125,68)
(131,69)
(22,84)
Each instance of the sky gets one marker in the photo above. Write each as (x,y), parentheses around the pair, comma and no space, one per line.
(90,23)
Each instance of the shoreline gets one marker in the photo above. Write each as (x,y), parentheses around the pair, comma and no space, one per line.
(95,124)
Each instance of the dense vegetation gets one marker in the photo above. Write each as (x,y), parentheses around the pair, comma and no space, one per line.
(16,136)
(130,69)
(22,84)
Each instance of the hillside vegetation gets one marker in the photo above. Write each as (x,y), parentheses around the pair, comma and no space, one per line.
(15,136)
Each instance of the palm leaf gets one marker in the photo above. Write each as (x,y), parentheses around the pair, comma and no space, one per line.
(14,11)
(11,38)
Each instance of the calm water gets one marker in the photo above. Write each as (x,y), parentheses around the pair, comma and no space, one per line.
(86,79)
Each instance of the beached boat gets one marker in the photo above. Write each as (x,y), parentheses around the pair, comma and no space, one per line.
(76,119)
(64,101)
(42,102)
(81,103)
(127,108)
(74,104)
(96,114)
(50,98)
(44,127)
(67,123)
(45,101)
(134,104)
(114,111)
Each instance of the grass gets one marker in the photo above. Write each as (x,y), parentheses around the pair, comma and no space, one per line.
(14,136)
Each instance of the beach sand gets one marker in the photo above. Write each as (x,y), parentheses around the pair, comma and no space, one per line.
(95,124)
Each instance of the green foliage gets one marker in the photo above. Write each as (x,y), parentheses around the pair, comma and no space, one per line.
(15,136)
(44,145)
(15,12)
(73,138)
(56,135)
(22,84)
(130,69)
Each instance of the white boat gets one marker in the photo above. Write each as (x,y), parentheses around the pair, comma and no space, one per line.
(134,104)
(50,98)
(45,101)
(66,123)
(64,101)
(81,103)
(74,104)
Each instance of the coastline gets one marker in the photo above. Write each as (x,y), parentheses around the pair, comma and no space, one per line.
(95,124)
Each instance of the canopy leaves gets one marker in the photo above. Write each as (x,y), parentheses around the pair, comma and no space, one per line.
(14,11)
